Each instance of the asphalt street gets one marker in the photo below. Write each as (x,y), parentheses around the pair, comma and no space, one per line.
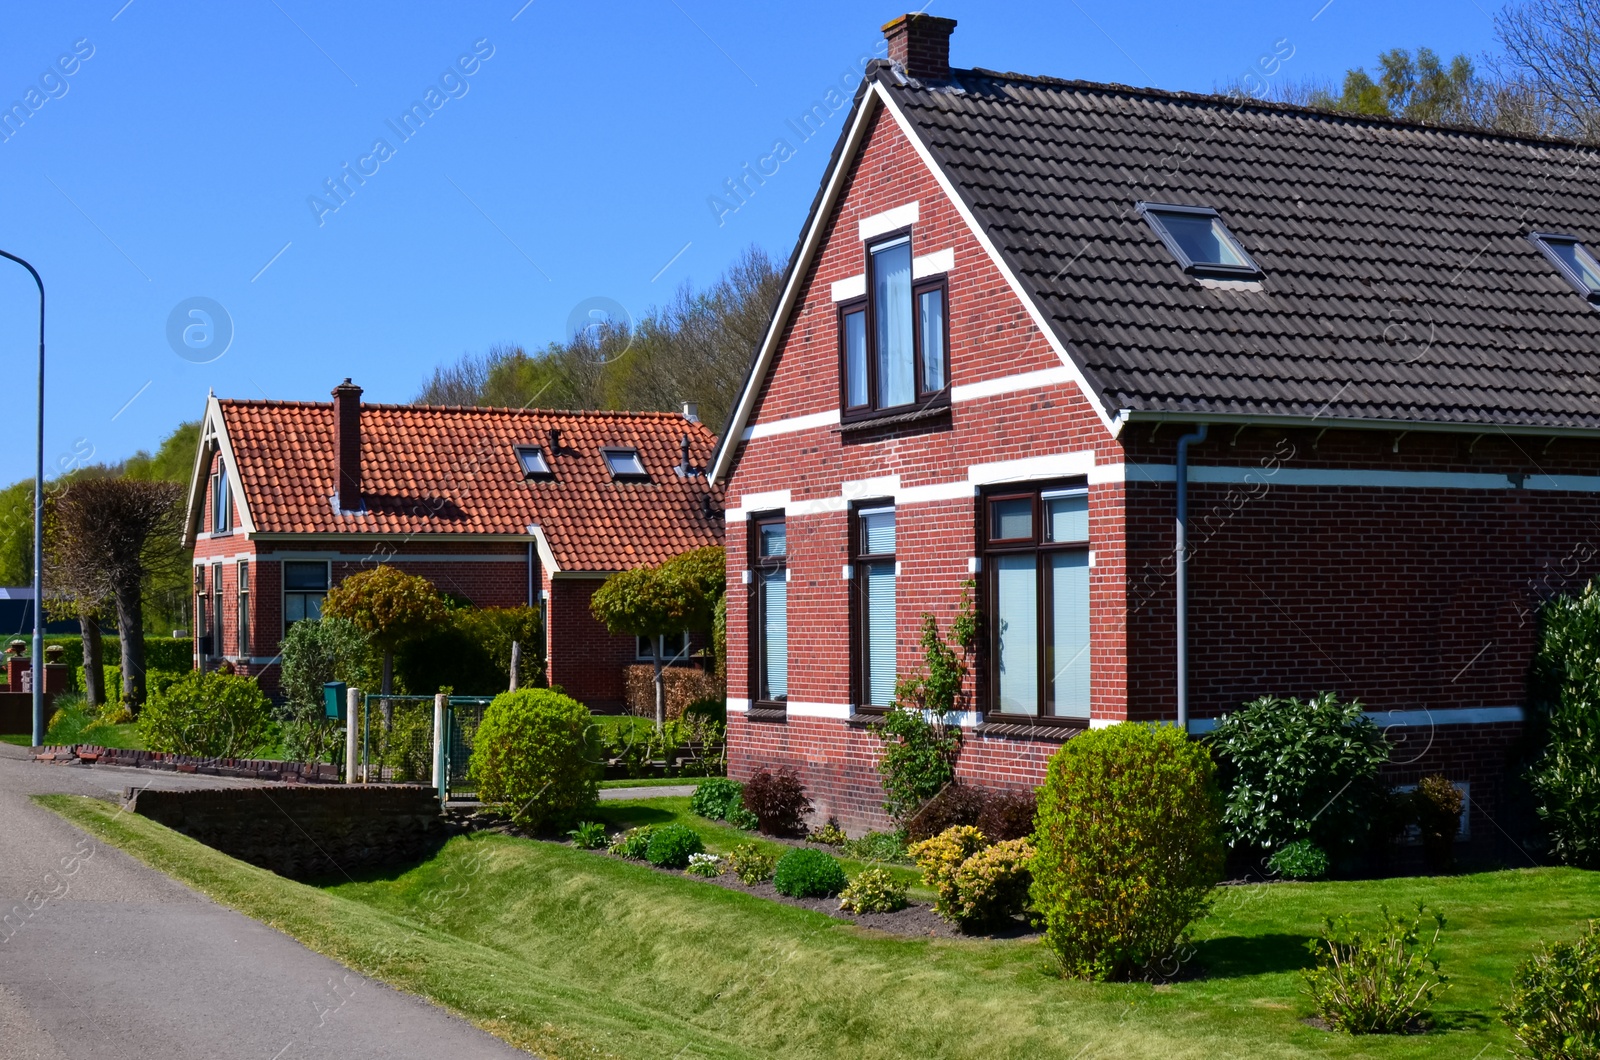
(102,957)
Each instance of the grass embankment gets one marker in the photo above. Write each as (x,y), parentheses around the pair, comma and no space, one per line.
(72,722)
(650,782)
(571,954)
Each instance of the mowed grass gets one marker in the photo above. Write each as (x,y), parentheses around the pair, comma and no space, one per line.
(571,954)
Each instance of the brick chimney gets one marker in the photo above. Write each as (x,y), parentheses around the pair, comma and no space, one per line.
(921,45)
(347,444)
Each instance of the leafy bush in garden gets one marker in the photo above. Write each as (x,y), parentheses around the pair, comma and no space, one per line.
(778,800)
(918,758)
(1566,778)
(807,873)
(830,834)
(1300,860)
(740,817)
(1299,769)
(940,857)
(314,653)
(1555,1002)
(470,652)
(953,805)
(589,835)
(1008,815)
(707,866)
(715,797)
(1437,806)
(873,890)
(633,843)
(532,754)
(750,864)
(671,845)
(211,714)
(977,884)
(1376,984)
(877,846)
(1128,848)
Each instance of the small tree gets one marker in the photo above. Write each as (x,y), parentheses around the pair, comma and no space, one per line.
(391,607)
(655,602)
(76,586)
(118,533)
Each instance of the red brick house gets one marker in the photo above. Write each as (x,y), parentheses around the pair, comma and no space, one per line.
(1032,328)
(502,507)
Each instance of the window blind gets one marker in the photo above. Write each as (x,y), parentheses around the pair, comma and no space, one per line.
(775,633)
(1069,634)
(1066,515)
(891,308)
(1017,616)
(930,319)
(879,620)
(855,358)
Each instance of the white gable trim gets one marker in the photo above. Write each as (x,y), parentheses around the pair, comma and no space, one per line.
(876,96)
(213,436)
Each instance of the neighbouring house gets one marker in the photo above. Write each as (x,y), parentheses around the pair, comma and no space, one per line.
(1033,328)
(501,507)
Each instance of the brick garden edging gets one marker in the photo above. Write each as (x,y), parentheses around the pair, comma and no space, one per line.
(250,768)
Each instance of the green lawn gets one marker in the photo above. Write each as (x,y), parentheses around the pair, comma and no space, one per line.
(572,954)
(119,736)
(650,782)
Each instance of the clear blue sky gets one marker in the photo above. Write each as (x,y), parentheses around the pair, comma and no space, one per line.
(178,159)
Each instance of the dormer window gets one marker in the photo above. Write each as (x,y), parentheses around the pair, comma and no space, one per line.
(533,463)
(624,463)
(1200,241)
(893,344)
(1576,265)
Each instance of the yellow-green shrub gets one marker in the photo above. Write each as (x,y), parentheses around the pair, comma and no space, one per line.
(532,754)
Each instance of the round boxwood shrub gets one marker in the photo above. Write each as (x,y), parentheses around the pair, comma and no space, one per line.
(1554,1011)
(805,873)
(671,846)
(532,755)
(211,714)
(1128,848)
(714,798)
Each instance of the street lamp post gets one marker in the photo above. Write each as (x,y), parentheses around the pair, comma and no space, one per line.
(37,665)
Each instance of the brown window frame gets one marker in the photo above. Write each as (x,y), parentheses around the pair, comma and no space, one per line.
(757,614)
(242,591)
(860,664)
(1036,545)
(868,307)
(218,622)
(202,624)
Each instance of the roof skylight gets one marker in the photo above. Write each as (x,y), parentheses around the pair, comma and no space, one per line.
(534,465)
(624,463)
(1199,240)
(1578,267)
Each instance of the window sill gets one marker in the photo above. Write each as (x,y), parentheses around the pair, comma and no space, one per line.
(1022,727)
(768,713)
(895,419)
(864,716)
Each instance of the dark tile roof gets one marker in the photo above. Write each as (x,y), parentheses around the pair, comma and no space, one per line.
(454,471)
(1399,284)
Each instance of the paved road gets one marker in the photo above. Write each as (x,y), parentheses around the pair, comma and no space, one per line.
(123,963)
(660,791)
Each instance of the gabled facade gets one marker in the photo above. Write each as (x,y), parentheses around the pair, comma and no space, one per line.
(1033,327)
(502,507)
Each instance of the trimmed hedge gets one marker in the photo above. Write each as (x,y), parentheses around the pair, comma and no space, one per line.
(684,685)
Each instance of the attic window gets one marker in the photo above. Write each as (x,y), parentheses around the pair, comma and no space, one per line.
(1577,265)
(534,465)
(1200,241)
(624,463)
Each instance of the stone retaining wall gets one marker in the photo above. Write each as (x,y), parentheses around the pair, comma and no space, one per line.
(251,768)
(304,833)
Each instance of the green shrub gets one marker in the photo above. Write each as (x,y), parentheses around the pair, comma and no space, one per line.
(671,845)
(1555,1002)
(633,843)
(312,654)
(750,864)
(830,834)
(403,751)
(1437,806)
(806,873)
(589,835)
(918,758)
(212,714)
(173,654)
(740,817)
(877,846)
(470,651)
(992,885)
(715,797)
(1299,769)
(1300,860)
(873,890)
(1566,777)
(940,857)
(706,866)
(778,800)
(1375,984)
(712,709)
(532,754)
(1128,847)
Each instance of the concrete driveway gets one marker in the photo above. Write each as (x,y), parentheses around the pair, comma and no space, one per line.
(119,961)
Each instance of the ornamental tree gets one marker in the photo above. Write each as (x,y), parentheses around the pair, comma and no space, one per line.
(655,602)
(390,606)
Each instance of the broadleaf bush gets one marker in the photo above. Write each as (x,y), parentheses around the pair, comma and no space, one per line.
(1300,860)
(807,873)
(778,800)
(1378,983)
(751,864)
(1128,848)
(1436,807)
(1554,1009)
(209,714)
(672,845)
(634,843)
(873,890)
(713,798)
(1566,778)
(533,755)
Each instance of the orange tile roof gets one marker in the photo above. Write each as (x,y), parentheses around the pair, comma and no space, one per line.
(454,471)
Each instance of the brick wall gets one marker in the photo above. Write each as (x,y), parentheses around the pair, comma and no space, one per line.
(586,660)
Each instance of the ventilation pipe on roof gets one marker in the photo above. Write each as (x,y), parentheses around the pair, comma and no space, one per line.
(347,446)
(685,469)
(555,440)
(1181,573)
